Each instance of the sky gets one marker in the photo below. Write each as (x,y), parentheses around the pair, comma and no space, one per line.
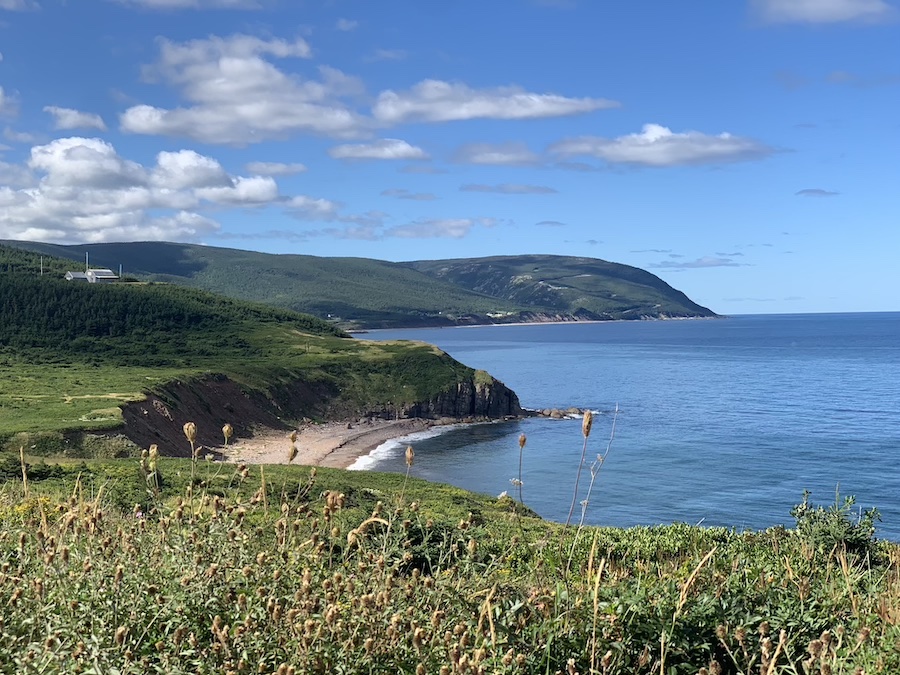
(747,152)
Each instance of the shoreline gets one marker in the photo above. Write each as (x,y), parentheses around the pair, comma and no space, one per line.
(330,444)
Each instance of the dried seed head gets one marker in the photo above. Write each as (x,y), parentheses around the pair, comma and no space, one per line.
(522,440)
(190,431)
(121,633)
(292,454)
(294,436)
(586,423)
(227,432)
(410,455)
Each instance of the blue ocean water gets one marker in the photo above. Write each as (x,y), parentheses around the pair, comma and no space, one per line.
(724,422)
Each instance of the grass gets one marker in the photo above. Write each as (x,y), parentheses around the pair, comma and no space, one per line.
(212,567)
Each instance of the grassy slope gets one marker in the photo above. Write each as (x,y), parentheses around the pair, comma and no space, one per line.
(72,353)
(272,569)
(374,293)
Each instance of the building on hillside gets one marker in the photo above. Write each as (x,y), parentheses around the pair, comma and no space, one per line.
(102,276)
(97,276)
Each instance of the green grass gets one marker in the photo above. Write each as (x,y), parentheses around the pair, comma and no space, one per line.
(292,570)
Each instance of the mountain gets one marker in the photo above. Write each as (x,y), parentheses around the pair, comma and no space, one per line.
(366,293)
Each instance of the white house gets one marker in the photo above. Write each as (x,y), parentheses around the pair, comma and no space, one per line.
(97,276)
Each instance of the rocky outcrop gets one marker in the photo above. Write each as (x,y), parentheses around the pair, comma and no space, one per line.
(479,397)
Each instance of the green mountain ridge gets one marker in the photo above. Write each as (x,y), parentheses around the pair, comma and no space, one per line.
(74,357)
(368,293)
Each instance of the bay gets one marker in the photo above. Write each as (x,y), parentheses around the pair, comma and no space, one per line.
(721,422)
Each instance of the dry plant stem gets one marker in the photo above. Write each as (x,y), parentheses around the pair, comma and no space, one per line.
(586,431)
(24,470)
(595,469)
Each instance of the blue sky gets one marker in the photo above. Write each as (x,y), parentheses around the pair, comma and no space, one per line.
(746,152)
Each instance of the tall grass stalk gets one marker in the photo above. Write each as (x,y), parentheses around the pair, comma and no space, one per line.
(586,423)
(596,465)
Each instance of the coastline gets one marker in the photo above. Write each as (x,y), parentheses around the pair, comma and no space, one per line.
(331,444)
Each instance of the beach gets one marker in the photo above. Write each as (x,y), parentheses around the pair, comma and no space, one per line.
(331,444)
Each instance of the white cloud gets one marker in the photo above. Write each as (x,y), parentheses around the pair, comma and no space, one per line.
(499,154)
(67,118)
(433,228)
(658,146)
(401,193)
(14,136)
(551,223)
(509,189)
(312,208)
(438,101)
(823,11)
(236,96)
(244,192)
(346,24)
(189,169)
(275,168)
(385,148)
(194,4)
(81,189)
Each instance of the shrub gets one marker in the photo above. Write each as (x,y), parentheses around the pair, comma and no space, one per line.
(837,527)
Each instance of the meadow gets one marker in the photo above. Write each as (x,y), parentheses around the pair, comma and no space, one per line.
(164,565)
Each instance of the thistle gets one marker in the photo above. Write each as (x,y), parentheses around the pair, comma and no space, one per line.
(190,432)
(410,455)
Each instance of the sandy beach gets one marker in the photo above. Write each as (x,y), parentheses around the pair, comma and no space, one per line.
(333,444)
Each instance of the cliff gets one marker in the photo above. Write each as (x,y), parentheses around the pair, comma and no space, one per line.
(214,400)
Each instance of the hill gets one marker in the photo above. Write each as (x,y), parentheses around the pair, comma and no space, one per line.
(365,293)
(73,354)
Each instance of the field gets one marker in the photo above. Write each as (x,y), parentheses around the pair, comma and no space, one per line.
(172,566)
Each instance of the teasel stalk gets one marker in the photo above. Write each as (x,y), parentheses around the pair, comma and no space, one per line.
(586,423)
(190,432)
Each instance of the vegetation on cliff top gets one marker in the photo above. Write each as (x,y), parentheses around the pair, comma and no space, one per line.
(366,293)
(72,353)
(107,567)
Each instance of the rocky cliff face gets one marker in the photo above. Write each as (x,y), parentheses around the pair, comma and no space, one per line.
(471,398)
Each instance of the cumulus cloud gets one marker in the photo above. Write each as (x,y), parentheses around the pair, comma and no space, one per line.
(437,228)
(275,168)
(822,11)
(386,148)
(81,189)
(400,193)
(439,101)
(699,263)
(509,189)
(658,146)
(237,96)
(496,154)
(68,118)
(816,192)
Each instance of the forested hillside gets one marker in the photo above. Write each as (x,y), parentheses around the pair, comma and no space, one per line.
(364,293)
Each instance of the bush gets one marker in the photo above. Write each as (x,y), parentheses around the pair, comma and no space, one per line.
(837,527)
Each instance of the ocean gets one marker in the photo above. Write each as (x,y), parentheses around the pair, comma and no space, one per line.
(721,422)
